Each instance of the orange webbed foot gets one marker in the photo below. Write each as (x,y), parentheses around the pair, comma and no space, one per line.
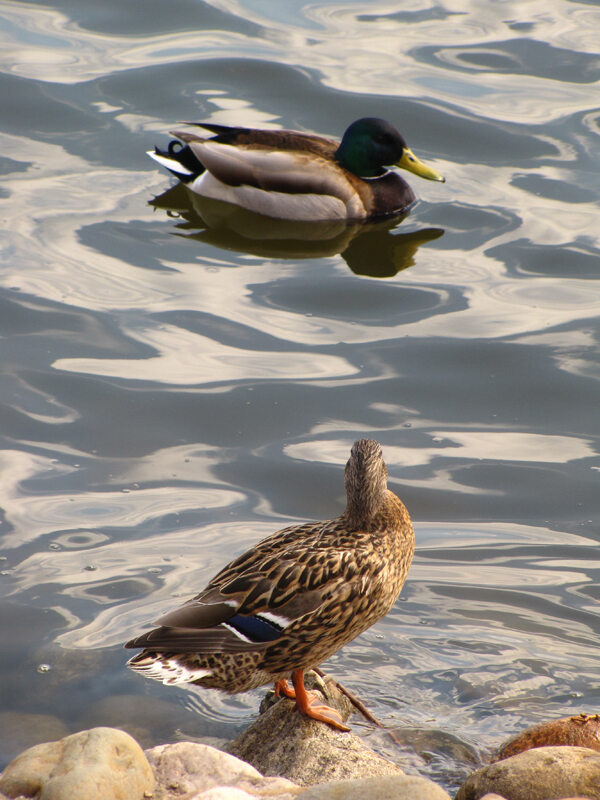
(325,714)
(309,705)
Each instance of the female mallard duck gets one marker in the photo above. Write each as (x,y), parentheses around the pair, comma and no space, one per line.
(299,176)
(292,600)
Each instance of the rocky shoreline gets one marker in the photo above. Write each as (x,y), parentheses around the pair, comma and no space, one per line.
(283,756)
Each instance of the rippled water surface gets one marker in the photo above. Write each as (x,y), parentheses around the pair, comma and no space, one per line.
(172,391)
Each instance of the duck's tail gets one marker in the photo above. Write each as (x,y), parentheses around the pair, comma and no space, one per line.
(179,160)
(168,668)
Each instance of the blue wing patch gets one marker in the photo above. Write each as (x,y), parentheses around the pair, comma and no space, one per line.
(256,629)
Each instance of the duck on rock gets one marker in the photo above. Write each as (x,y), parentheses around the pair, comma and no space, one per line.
(292,600)
(299,176)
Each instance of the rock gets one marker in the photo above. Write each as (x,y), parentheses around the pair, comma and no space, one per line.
(194,771)
(384,787)
(538,774)
(101,762)
(580,731)
(225,793)
(307,751)
(22,730)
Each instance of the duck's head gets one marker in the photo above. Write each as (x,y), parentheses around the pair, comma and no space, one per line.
(370,144)
(365,479)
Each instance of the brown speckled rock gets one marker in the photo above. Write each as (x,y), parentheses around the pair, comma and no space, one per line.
(544,773)
(580,731)
(102,762)
(284,742)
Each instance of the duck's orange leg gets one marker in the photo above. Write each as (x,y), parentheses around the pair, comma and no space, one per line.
(307,703)
(282,688)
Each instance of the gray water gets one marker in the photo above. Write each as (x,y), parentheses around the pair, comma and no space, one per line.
(171,393)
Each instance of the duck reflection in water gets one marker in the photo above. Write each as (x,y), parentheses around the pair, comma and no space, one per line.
(369,248)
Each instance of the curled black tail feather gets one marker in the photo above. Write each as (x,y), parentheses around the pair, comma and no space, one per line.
(184,156)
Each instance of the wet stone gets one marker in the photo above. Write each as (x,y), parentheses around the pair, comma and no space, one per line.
(284,742)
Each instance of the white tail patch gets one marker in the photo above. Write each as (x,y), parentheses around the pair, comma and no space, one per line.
(168,670)
(169,163)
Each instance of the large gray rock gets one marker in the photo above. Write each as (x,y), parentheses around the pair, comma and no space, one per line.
(388,787)
(307,751)
(544,773)
(102,762)
(194,771)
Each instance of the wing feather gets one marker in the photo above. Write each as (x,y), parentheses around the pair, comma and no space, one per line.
(198,615)
(186,640)
(286,171)
(282,579)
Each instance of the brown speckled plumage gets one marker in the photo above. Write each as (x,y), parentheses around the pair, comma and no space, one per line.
(328,581)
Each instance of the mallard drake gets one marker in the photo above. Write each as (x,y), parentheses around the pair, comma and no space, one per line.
(293,599)
(292,175)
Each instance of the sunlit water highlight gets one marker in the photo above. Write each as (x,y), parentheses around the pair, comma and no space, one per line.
(172,391)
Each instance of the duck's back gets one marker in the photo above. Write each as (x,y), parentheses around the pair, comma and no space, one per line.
(268,139)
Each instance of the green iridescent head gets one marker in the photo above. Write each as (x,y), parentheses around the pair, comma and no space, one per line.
(370,145)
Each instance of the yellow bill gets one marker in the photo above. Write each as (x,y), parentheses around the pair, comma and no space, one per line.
(410,162)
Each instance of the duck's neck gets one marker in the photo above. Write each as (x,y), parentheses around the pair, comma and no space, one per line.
(364,504)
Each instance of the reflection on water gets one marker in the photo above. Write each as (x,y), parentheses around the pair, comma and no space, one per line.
(367,248)
(178,382)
